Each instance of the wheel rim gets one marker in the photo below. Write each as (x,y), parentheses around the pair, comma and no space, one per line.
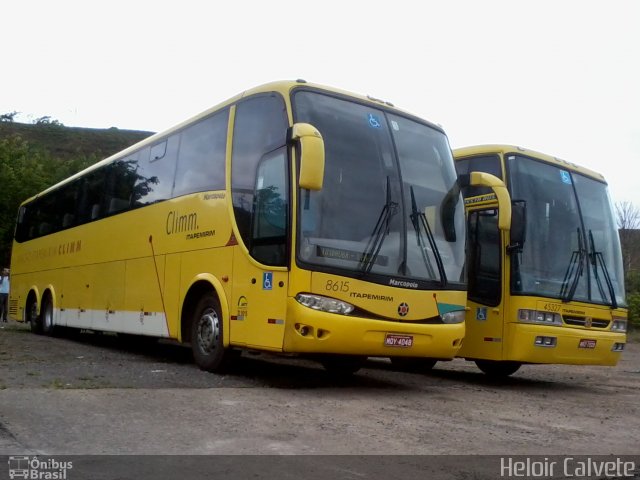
(208,331)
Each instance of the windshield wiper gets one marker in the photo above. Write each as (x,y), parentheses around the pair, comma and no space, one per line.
(596,259)
(380,231)
(420,224)
(574,271)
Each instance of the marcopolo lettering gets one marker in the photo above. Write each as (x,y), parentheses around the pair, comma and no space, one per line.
(401,283)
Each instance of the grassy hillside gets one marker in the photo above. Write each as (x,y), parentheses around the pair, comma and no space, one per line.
(64,143)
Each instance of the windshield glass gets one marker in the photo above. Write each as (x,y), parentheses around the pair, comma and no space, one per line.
(388,206)
(602,238)
(562,209)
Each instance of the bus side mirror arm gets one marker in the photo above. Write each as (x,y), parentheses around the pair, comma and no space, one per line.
(311,145)
(483,179)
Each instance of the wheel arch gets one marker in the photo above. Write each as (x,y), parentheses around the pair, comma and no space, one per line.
(201,285)
(49,293)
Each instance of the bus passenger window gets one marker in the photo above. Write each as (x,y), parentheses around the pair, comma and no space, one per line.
(202,156)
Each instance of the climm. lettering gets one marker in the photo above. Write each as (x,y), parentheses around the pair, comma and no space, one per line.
(177,223)
(70,247)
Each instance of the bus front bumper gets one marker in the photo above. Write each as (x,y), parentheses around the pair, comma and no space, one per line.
(561,345)
(312,331)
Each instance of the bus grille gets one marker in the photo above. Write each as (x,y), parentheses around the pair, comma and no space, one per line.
(583,322)
(13,307)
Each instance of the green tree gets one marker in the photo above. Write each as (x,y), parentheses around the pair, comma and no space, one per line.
(8,117)
(23,173)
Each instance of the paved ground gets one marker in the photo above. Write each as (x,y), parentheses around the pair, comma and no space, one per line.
(94,394)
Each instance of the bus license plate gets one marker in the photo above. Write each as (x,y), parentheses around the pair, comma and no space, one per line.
(394,340)
(587,343)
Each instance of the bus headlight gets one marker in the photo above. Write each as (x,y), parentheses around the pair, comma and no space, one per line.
(619,325)
(324,304)
(541,318)
(456,316)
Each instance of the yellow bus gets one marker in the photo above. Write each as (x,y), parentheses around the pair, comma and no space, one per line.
(551,290)
(292,218)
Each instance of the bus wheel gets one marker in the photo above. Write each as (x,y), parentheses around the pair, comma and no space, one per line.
(498,369)
(46,317)
(342,365)
(33,318)
(413,364)
(206,335)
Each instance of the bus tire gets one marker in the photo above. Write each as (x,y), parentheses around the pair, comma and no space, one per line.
(46,316)
(498,368)
(31,314)
(207,344)
(413,364)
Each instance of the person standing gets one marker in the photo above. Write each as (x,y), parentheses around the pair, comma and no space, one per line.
(4,294)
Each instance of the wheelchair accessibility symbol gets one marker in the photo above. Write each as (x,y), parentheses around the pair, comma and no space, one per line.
(565,177)
(267,281)
(373,121)
(481,313)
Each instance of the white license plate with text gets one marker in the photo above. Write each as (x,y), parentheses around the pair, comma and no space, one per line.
(587,343)
(395,340)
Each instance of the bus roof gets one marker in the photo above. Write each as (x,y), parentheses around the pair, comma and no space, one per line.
(283,87)
(505,150)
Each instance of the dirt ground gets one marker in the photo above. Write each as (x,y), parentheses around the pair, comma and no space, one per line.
(96,394)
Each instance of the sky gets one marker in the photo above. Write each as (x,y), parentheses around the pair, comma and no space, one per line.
(558,76)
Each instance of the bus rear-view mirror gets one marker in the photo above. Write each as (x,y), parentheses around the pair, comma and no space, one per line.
(311,147)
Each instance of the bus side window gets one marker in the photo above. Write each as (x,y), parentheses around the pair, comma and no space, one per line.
(260,127)
(92,196)
(155,173)
(484,264)
(202,156)
(488,164)
(120,183)
(271,211)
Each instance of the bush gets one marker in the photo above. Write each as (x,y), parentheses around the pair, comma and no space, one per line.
(633,300)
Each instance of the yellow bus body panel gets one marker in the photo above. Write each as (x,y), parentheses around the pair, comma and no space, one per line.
(335,333)
(520,345)
(128,288)
(332,333)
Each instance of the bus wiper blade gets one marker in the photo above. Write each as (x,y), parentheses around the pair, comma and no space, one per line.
(380,231)
(596,259)
(573,272)
(420,224)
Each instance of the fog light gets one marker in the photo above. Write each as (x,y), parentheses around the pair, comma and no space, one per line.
(545,341)
(618,347)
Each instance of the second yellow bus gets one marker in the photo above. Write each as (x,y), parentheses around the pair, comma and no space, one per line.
(552,289)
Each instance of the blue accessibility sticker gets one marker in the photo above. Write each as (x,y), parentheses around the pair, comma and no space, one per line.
(565,177)
(267,281)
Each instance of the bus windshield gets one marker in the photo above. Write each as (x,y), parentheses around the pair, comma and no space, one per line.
(572,249)
(388,209)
